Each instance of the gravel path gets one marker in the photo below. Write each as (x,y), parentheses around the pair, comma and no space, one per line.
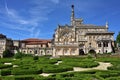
(58,62)
(102,66)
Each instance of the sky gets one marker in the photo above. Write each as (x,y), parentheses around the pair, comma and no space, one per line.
(21,19)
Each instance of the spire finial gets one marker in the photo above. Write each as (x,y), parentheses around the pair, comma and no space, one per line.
(106,24)
(72,6)
(72,16)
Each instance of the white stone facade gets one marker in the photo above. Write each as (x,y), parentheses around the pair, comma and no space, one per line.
(79,38)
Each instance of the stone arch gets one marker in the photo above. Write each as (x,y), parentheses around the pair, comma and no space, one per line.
(81,52)
(92,51)
(35,52)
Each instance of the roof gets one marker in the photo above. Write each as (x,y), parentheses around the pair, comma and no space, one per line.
(34,41)
(99,32)
(90,26)
(2,36)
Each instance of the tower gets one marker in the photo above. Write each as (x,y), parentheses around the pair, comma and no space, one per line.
(72,15)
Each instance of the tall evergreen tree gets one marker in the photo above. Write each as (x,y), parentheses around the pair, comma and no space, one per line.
(118,38)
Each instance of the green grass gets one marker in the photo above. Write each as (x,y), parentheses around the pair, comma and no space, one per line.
(29,69)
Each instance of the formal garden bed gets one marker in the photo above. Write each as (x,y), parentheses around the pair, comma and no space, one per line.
(29,68)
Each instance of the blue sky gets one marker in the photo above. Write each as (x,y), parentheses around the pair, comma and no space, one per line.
(21,19)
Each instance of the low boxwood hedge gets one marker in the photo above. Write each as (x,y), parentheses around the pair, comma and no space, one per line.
(5,72)
(57,69)
(106,74)
(81,64)
(2,66)
(24,78)
(26,71)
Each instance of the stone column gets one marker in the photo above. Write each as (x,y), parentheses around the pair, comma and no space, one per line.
(62,51)
(109,47)
(102,45)
(54,52)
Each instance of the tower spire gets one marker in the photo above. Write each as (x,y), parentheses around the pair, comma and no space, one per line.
(107,25)
(72,15)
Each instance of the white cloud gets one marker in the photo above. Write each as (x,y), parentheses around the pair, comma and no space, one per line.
(37,14)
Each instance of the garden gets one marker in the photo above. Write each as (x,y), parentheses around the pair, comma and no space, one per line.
(32,68)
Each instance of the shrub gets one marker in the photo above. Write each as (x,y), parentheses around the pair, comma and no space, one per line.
(5,72)
(18,55)
(35,58)
(7,53)
(27,55)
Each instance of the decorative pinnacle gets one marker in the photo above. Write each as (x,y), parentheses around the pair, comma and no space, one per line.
(106,24)
(72,6)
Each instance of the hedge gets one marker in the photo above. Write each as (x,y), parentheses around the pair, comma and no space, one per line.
(2,66)
(26,71)
(24,78)
(81,64)
(5,72)
(57,69)
(106,74)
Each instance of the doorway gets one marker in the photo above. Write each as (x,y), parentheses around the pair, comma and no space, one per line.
(81,52)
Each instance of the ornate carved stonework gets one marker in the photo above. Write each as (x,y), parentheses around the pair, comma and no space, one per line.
(79,38)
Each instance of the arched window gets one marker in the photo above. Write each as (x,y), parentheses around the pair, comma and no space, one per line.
(30,51)
(24,51)
(106,51)
(41,52)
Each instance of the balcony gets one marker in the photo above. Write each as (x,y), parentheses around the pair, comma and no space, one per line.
(82,39)
(66,44)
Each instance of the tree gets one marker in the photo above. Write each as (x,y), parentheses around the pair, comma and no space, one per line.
(118,38)
(7,53)
(18,55)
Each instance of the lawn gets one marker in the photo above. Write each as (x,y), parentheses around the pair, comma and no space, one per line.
(27,68)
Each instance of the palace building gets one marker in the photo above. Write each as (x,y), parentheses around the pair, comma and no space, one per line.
(69,40)
(79,38)
(5,44)
(35,46)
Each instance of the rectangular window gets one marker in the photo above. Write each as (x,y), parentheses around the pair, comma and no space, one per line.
(105,44)
(99,44)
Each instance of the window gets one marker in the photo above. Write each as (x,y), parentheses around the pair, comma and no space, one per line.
(99,51)
(24,51)
(105,44)
(47,51)
(106,51)
(89,37)
(41,52)
(99,44)
(30,51)
(73,51)
(89,44)
(65,51)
